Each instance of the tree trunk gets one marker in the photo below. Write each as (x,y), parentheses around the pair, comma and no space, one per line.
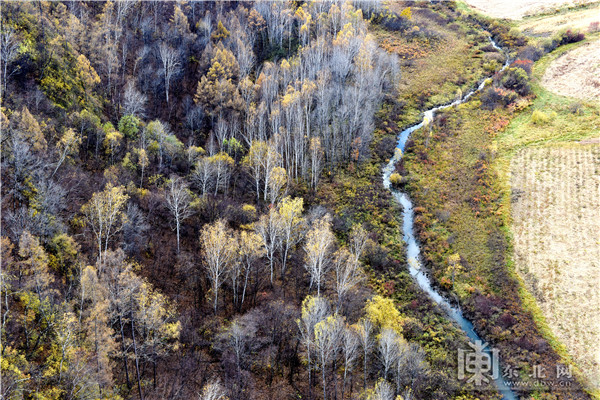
(124,355)
(177,222)
(137,367)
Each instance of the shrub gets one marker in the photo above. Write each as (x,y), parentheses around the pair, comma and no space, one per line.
(516,79)
(129,126)
(396,179)
(576,108)
(491,98)
(569,36)
(538,117)
(395,22)
(525,65)
(532,53)
(549,45)
(594,27)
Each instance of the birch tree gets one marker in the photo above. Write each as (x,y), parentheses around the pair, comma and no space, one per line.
(347,274)
(328,335)
(316,161)
(277,181)
(171,65)
(143,163)
(179,202)
(318,246)
(9,49)
(251,249)
(203,175)
(66,146)
(350,352)
(219,248)
(364,330)
(254,162)
(134,102)
(358,241)
(213,391)
(292,225)
(158,325)
(104,213)
(382,391)
(389,349)
(314,310)
(269,229)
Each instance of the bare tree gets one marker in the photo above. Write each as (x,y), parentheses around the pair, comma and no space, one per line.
(347,274)
(9,49)
(134,229)
(134,102)
(171,64)
(314,310)
(219,249)
(328,335)
(179,202)
(213,391)
(350,345)
(318,246)
(270,231)
(389,349)
(364,330)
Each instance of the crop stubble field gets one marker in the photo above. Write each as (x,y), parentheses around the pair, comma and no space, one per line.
(546,25)
(512,9)
(576,73)
(555,203)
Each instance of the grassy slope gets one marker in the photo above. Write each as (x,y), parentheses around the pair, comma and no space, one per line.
(435,68)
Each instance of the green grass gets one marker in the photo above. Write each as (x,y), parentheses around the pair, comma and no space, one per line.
(437,67)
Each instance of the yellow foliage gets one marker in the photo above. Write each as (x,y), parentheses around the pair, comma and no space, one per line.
(86,73)
(220,33)
(406,13)
(395,179)
(383,313)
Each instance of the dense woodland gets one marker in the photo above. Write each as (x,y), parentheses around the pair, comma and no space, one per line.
(191,202)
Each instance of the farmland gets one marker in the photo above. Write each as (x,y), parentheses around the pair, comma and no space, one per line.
(576,73)
(517,10)
(555,202)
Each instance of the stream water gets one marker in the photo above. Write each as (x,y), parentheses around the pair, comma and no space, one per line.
(412,245)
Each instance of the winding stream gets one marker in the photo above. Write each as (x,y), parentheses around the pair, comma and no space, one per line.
(412,246)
